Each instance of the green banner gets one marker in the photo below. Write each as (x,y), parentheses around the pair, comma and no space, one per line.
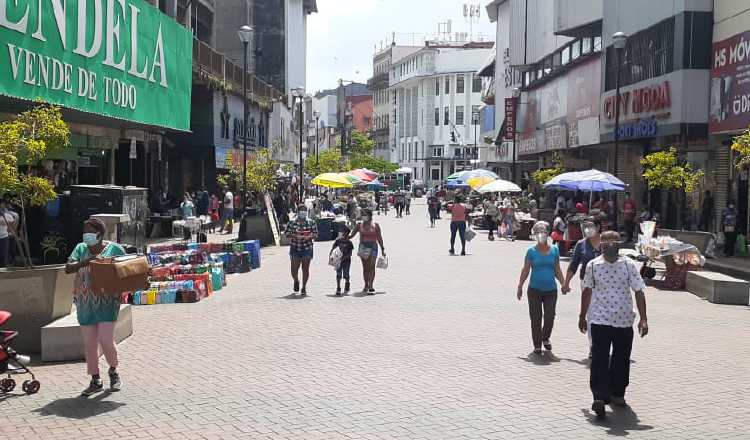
(118,58)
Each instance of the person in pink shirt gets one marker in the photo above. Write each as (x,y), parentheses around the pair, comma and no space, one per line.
(459,212)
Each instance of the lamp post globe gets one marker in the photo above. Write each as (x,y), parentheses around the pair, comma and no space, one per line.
(619,39)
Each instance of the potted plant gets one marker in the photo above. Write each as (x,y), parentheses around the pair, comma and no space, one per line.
(35,295)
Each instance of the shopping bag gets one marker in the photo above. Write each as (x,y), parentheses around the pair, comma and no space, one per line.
(382,263)
(335,258)
(470,234)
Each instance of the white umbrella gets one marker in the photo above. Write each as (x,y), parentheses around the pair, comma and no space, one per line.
(499,185)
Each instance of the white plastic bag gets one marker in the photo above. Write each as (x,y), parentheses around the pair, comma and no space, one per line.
(470,234)
(335,258)
(382,263)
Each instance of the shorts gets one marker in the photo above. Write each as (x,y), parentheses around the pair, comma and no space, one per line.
(368,250)
(300,254)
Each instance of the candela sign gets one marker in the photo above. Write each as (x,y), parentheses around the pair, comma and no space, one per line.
(119,58)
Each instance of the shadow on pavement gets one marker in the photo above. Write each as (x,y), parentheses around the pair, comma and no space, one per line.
(365,295)
(293,296)
(583,362)
(79,407)
(619,422)
(546,358)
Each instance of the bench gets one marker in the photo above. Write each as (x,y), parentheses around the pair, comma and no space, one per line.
(62,341)
(718,288)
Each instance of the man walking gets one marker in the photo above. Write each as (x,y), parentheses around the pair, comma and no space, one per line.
(606,303)
(628,210)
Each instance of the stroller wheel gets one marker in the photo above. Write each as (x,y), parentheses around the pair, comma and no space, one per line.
(30,386)
(7,385)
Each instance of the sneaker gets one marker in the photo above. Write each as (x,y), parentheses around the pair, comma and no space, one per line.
(347,287)
(304,291)
(463,253)
(371,289)
(296,286)
(452,252)
(618,401)
(599,409)
(115,383)
(547,345)
(338,291)
(94,387)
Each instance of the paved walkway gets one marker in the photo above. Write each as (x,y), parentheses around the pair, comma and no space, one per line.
(441,352)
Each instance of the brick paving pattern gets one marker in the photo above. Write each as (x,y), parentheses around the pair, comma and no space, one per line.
(441,352)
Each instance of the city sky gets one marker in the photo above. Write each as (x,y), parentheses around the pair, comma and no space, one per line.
(342,37)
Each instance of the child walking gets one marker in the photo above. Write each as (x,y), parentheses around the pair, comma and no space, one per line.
(346,246)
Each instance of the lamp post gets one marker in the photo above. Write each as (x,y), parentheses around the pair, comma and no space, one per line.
(619,39)
(299,94)
(316,115)
(475,121)
(246,35)
(516,95)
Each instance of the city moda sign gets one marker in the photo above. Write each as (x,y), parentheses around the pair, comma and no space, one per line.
(118,58)
(730,85)
(654,98)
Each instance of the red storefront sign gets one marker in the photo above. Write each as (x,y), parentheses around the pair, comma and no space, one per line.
(510,118)
(730,85)
(637,102)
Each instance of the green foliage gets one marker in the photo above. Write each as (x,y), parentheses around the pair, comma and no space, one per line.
(31,135)
(664,170)
(741,144)
(261,171)
(544,175)
(328,161)
(361,144)
(376,164)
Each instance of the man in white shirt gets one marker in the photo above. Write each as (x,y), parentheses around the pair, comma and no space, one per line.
(227,221)
(606,303)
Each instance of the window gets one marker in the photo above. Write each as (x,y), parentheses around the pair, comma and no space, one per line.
(437,116)
(435,174)
(437,86)
(460,84)
(447,85)
(457,152)
(459,115)
(476,84)
(447,119)
(475,114)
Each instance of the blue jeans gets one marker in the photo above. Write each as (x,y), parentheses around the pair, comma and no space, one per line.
(343,270)
(300,254)
(460,227)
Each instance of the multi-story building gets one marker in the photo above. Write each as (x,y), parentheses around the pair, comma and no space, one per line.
(378,85)
(434,92)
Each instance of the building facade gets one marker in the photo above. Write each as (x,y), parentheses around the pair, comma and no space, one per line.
(434,93)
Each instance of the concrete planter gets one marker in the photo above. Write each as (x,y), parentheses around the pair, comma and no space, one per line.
(35,297)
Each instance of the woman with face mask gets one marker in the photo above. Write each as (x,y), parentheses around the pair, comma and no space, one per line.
(543,263)
(97,314)
(369,239)
(302,233)
(583,252)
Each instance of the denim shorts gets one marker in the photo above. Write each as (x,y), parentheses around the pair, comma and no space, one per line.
(368,249)
(300,254)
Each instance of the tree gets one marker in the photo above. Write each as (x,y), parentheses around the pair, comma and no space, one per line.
(261,172)
(361,144)
(741,144)
(328,161)
(31,135)
(376,164)
(664,170)
(544,175)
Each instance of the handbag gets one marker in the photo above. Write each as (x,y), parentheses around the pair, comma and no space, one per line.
(382,263)
(335,258)
(470,234)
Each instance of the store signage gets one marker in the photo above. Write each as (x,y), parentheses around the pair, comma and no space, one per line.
(554,137)
(644,100)
(730,84)
(118,58)
(510,118)
(642,128)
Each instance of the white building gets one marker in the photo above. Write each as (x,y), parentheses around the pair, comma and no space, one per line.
(433,93)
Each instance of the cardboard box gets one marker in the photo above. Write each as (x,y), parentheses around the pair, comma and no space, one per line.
(112,276)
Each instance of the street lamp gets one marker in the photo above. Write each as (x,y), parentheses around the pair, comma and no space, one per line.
(316,115)
(299,93)
(475,121)
(619,40)
(516,95)
(246,36)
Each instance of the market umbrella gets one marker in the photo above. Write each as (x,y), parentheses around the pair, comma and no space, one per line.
(364,174)
(499,185)
(591,180)
(479,181)
(453,184)
(480,173)
(458,175)
(333,180)
(375,185)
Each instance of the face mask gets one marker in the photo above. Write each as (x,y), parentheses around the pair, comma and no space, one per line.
(90,238)
(590,232)
(302,215)
(541,237)
(611,252)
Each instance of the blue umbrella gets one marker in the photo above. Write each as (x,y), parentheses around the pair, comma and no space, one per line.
(591,180)
(453,184)
(375,185)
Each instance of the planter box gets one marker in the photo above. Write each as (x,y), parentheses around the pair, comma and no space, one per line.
(718,288)
(35,297)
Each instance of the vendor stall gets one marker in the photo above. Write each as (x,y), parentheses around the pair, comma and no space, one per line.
(678,257)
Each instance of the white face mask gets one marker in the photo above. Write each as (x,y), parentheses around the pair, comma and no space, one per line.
(541,237)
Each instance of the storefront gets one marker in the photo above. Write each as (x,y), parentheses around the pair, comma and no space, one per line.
(122,75)
(730,116)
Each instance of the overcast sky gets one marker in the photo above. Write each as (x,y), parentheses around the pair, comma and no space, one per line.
(341,37)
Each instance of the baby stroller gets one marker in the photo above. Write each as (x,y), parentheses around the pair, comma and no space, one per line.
(12,362)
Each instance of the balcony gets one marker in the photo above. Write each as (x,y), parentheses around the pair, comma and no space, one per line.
(380,132)
(218,72)
(379,81)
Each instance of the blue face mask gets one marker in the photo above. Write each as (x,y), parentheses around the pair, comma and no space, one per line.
(90,238)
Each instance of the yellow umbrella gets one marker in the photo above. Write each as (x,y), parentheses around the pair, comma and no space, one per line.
(479,181)
(332,180)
